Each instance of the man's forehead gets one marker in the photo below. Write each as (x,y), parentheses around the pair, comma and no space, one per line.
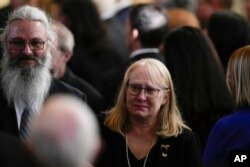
(27,28)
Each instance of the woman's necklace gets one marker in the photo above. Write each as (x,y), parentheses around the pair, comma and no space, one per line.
(145,161)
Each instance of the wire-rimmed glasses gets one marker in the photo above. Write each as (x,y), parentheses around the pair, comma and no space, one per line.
(135,90)
(18,44)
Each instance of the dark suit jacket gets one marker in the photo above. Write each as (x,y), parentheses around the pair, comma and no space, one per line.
(4,12)
(86,65)
(8,120)
(13,153)
(94,97)
(116,35)
(111,80)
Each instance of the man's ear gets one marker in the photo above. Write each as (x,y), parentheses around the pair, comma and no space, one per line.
(135,33)
(67,56)
(161,48)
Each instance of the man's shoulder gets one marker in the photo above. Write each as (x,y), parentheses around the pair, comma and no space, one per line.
(58,86)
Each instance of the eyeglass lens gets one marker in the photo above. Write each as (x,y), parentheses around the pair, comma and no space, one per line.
(135,89)
(20,44)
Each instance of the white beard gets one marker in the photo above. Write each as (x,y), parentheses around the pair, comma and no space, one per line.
(26,88)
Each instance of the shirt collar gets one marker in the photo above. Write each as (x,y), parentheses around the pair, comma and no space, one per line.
(142,51)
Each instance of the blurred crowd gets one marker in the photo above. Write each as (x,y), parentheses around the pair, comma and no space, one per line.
(140,82)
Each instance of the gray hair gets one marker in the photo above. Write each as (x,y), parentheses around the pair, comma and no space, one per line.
(65,133)
(151,22)
(65,37)
(28,12)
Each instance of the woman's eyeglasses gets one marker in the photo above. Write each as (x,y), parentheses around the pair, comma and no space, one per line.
(135,90)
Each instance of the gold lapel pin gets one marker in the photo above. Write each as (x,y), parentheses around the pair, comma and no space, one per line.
(163,146)
(164,154)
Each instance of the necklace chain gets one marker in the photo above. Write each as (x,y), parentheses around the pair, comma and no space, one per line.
(145,161)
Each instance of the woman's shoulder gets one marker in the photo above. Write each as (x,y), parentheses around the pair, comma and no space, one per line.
(186,133)
(186,136)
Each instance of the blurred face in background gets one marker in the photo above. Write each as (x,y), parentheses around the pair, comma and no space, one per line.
(17,3)
(203,12)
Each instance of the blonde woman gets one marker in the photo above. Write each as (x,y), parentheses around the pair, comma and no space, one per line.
(145,128)
(232,132)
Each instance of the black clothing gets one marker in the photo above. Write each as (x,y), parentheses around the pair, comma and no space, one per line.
(13,152)
(94,97)
(90,66)
(116,36)
(4,13)
(181,151)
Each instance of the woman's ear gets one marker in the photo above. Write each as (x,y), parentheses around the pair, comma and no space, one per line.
(166,96)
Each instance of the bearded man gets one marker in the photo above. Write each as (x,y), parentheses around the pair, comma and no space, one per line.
(28,41)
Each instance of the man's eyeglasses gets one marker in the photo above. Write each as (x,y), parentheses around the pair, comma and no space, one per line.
(135,90)
(20,44)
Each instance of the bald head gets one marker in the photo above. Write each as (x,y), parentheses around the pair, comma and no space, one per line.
(181,17)
(65,133)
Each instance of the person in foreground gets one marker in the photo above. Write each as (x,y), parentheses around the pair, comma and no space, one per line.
(25,79)
(231,133)
(64,134)
(145,128)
